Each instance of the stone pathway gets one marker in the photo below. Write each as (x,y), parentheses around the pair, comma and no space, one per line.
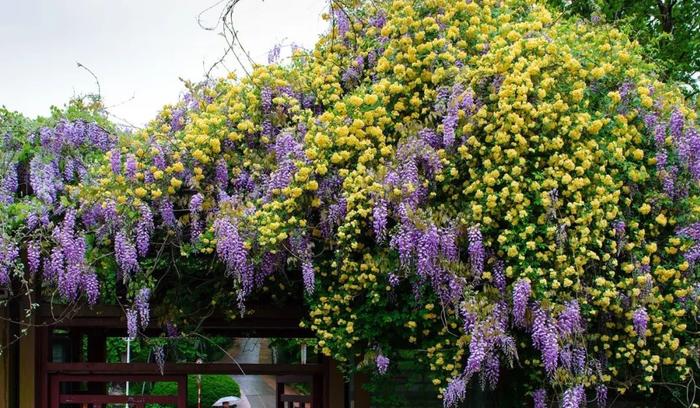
(257,391)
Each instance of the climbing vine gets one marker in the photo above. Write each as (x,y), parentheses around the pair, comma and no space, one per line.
(487,182)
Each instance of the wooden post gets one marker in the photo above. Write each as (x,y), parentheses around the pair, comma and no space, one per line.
(42,357)
(97,352)
(334,387)
(27,370)
(182,392)
(361,396)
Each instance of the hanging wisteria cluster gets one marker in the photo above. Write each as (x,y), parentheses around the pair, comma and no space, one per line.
(521,181)
(43,163)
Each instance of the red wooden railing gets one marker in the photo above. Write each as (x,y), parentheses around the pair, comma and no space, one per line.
(100,400)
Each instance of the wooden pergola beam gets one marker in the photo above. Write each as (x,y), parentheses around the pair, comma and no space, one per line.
(265,321)
(149,369)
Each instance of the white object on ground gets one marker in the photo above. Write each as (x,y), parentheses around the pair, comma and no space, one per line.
(231,400)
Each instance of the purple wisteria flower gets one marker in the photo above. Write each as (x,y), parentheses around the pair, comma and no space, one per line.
(167,213)
(274,55)
(132,325)
(335,216)
(521,296)
(668,180)
(309,276)
(404,240)
(159,356)
(640,319)
(230,247)
(142,306)
(353,74)
(266,99)
(45,179)
(689,152)
(91,287)
(539,398)
(9,253)
(476,250)
(54,266)
(675,124)
(569,322)
(574,397)
(379,219)
(480,345)
(144,229)
(491,371)
(448,244)
(693,254)
(130,167)
(427,251)
(544,338)
(196,202)
(171,330)
(458,100)
(499,276)
(690,231)
(221,174)
(382,363)
(9,184)
(430,137)
(177,120)
(34,256)
(341,20)
(578,360)
(651,120)
(125,254)
(394,280)
(159,159)
(601,393)
(619,227)
(455,392)
(660,135)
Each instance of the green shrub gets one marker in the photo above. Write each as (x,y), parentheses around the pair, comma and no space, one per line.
(213,388)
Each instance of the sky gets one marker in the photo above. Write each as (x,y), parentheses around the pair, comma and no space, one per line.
(138,49)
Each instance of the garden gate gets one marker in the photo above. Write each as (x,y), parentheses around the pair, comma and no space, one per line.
(72,372)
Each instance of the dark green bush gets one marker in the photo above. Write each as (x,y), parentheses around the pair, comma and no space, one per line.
(213,388)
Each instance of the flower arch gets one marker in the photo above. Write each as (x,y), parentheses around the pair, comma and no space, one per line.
(486,181)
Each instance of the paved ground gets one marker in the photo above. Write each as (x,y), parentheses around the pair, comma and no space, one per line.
(257,391)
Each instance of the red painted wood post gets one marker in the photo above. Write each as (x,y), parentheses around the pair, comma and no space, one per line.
(97,352)
(182,391)
(279,393)
(55,390)
(317,391)
(42,358)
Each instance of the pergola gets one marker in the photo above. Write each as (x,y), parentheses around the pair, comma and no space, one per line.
(55,382)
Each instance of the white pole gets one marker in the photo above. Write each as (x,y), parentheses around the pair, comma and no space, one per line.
(199,386)
(128,360)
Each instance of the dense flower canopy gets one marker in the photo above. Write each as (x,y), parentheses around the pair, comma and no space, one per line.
(522,181)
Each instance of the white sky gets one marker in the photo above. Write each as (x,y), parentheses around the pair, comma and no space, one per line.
(136,48)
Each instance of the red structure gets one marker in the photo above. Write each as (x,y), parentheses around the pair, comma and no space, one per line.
(72,372)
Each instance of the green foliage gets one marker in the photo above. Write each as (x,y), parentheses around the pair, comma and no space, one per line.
(213,388)
(180,349)
(668,29)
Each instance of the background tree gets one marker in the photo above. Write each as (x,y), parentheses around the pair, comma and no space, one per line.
(668,29)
